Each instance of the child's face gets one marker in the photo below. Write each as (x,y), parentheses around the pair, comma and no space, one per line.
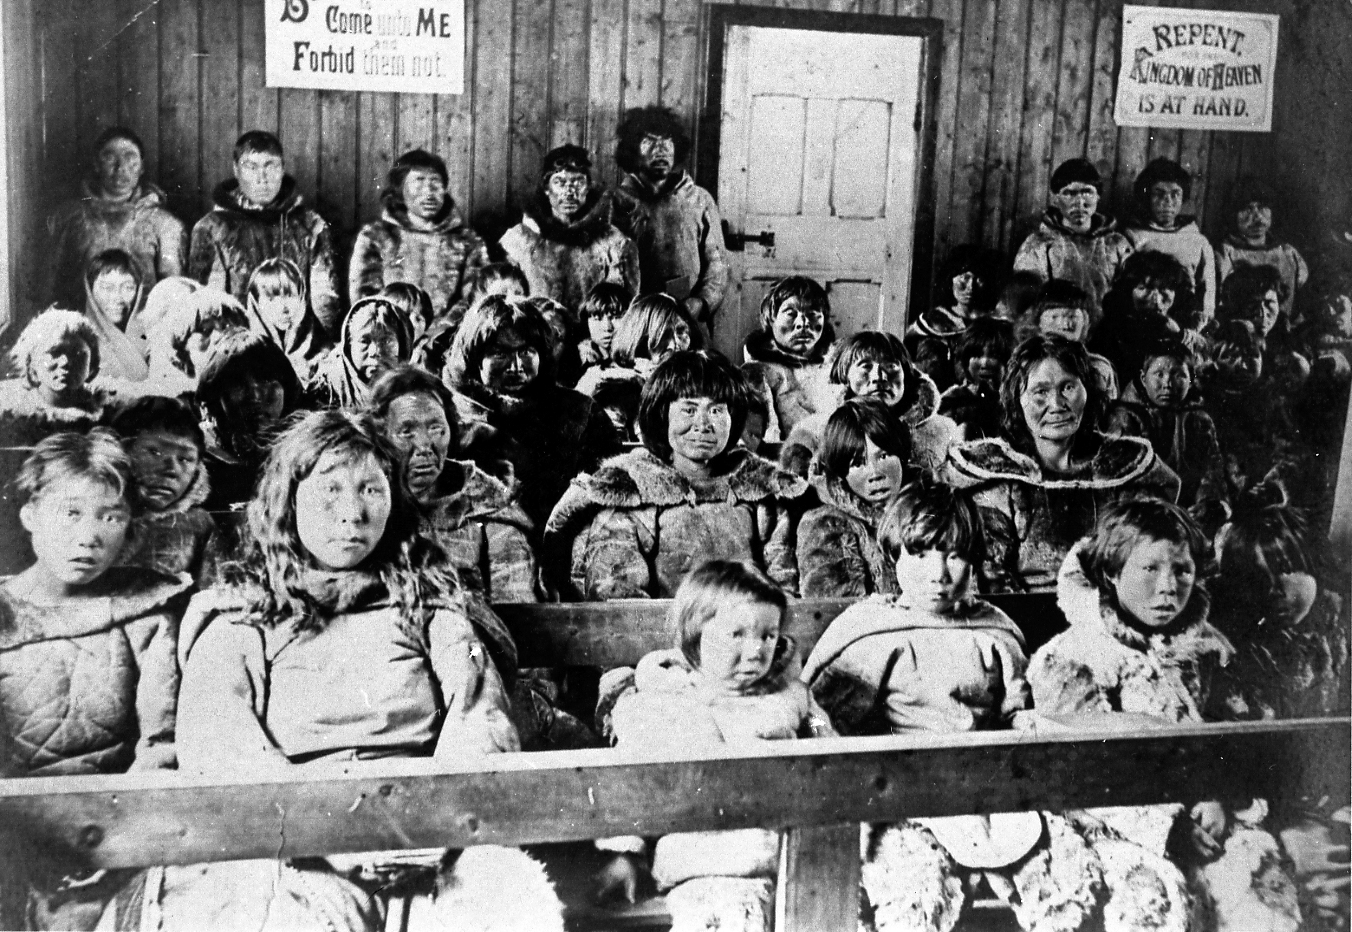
(964,286)
(1166,201)
(509,364)
(282,311)
(737,645)
(875,475)
(1253,221)
(1068,322)
(1236,365)
(255,401)
(341,510)
(61,371)
(1167,381)
(1156,582)
(985,370)
(698,429)
(601,329)
(1269,309)
(78,526)
(876,378)
(937,580)
(374,347)
(678,340)
(1152,297)
(796,328)
(417,426)
(115,293)
(165,465)
(1293,597)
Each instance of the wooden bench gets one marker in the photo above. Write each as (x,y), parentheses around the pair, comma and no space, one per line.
(817,791)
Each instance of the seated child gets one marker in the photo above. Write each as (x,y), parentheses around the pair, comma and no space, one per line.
(112,297)
(968,286)
(861,465)
(753,431)
(601,311)
(654,327)
(786,360)
(937,658)
(1162,189)
(1156,406)
(165,443)
(280,310)
(56,359)
(1250,242)
(414,302)
(1140,646)
(730,679)
(1151,300)
(375,335)
(979,359)
(1066,310)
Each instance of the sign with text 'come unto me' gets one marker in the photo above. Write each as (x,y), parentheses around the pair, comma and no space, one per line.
(403,46)
(1196,69)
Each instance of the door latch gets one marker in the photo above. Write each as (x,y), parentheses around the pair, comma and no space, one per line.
(737,242)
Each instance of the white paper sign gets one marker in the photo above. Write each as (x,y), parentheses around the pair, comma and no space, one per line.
(1196,69)
(403,46)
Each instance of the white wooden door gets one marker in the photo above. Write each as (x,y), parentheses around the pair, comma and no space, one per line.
(818,146)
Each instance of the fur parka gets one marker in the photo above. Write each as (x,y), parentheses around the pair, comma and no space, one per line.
(636,526)
(794,388)
(1032,519)
(1090,260)
(441,261)
(563,261)
(838,552)
(1193,251)
(174,540)
(25,418)
(1233,253)
(234,238)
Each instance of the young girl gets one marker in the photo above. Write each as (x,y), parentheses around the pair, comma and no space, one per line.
(861,465)
(968,284)
(279,310)
(731,678)
(979,359)
(654,327)
(56,359)
(375,335)
(937,658)
(786,359)
(1066,310)
(1141,651)
(112,296)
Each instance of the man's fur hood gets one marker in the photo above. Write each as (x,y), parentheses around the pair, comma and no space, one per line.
(226,197)
(396,212)
(591,225)
(1119,461)
(1099,224)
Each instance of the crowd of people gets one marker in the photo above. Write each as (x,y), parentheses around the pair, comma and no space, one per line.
(263,519)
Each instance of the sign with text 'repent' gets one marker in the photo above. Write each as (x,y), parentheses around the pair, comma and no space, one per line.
(403,46)
(1196,69)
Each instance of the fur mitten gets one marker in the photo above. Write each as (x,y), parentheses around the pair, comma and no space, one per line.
(722,904)
(489,889)
(910,880)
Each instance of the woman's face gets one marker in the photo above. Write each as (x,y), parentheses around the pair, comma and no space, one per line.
(698,429)
(875,475)
(509,364)
(1156,582)
(796,329)
(1167,381)
(115,293)
(1152,298)
(417,426)
(118,168)
(876,378)
(282,311)
(342,508)
(1053,402)
(1069,322)
(61,372)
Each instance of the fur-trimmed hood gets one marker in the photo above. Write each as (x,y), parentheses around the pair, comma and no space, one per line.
(20,400)
(121,595)
(226,197)
(760,347)
(638,478)
(1099,224)
(479,495)
(635,187)
(591,225)
(938,322)
(1118,461)
(147,196)
(669,671)
(197,492)
(831,491)
(396,212)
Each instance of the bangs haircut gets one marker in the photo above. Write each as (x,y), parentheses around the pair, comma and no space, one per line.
(928,515)
(95,455)
(376,311)
(649,323)
(166,415)
(850,425)
(1126,524)
(415,158)
(119,132)
(1242,291)
(494,315)
(1163,271)
(409,298)
(258,141)
(1165,170)
(690,374)
(1072,357)
(52,328)
(988,265)
(111,260)
(605,299)
(402,380)
(985,336)
(276,277)
(811,296)
(871,346)
(714,585)
(649,121)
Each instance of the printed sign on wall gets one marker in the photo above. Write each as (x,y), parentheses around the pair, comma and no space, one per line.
(1196,69)
(405,46)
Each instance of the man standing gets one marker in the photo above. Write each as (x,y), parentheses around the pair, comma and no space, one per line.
(259,215)
(673,221)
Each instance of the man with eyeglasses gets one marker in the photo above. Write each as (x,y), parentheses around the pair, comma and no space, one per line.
(1075,242)
(565,242)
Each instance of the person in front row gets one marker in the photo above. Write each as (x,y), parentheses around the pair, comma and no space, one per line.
(731,678)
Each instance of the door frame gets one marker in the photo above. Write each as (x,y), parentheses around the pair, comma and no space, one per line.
(719,17)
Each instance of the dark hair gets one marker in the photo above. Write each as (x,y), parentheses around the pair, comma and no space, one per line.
(565,158)
(111,260)
(649,121)
(483,323)
(490,274)
(709,587)
(1242,335)
(619,393)
(871,346)
(398,381)
(1243,289)
(1172,347)
(52,328)
(1125,524)
(1072,357)
(843,439)
(415,158)
(380,311)
(410,299)
(155,413)
(810,295)
(689,374)
(1163,270)
(240,353)
(928,515)
(119,132)
(1019,293)
(95,454)
(1075,170)
(1265,539)
(258,141)
(988,265)
(985,336)
(1250,189)
(1056,293)
(1162,170)
(609,299)
(648,324)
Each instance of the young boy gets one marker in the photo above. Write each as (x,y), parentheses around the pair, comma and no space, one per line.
(1250,241)
(786,360)
(1162,189)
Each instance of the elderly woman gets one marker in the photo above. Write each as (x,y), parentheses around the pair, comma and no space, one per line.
(633,528)
(514,416)
(473,516)
(1042,485)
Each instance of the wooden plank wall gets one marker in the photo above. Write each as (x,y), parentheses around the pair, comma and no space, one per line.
(1026,84)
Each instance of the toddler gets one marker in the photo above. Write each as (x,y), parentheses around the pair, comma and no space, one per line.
(786,360)
(1250,242)
(279,309)
(1065,310)
(56,360)
(979,359)
(1162,189)
(730,679)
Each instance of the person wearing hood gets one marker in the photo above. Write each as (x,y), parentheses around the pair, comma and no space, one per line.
(1162,188)
(56,364)
(259,215)
(277,309)
(674,222)
(376,335)
(118,210)
(112,295)
(1042,485)
(969,285)
(421,237)
(786,360)
(565,243)
(1075,242)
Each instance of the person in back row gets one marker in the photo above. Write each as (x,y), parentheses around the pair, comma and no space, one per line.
(1161,190)
(786,359)
(260,215)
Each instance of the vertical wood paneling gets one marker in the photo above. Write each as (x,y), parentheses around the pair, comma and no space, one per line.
(375,152)
(1101,140)
(643,54)
(568,69)
(1006,120)
(455,125)
(974,100)
(299,117)
(97,78)
(416,122)
(951,12)
(1070,128)
(61,155)
(492,120)
(180,105)
(1039,111)
(259,106)
(338,160)
(220,39)
(605,83)
(139,53)
(22,211)
(530,95)
(680,50)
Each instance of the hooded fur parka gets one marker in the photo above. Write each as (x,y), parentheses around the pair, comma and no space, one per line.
(1090,260)
(838,552)
(174,540)
(794,387)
